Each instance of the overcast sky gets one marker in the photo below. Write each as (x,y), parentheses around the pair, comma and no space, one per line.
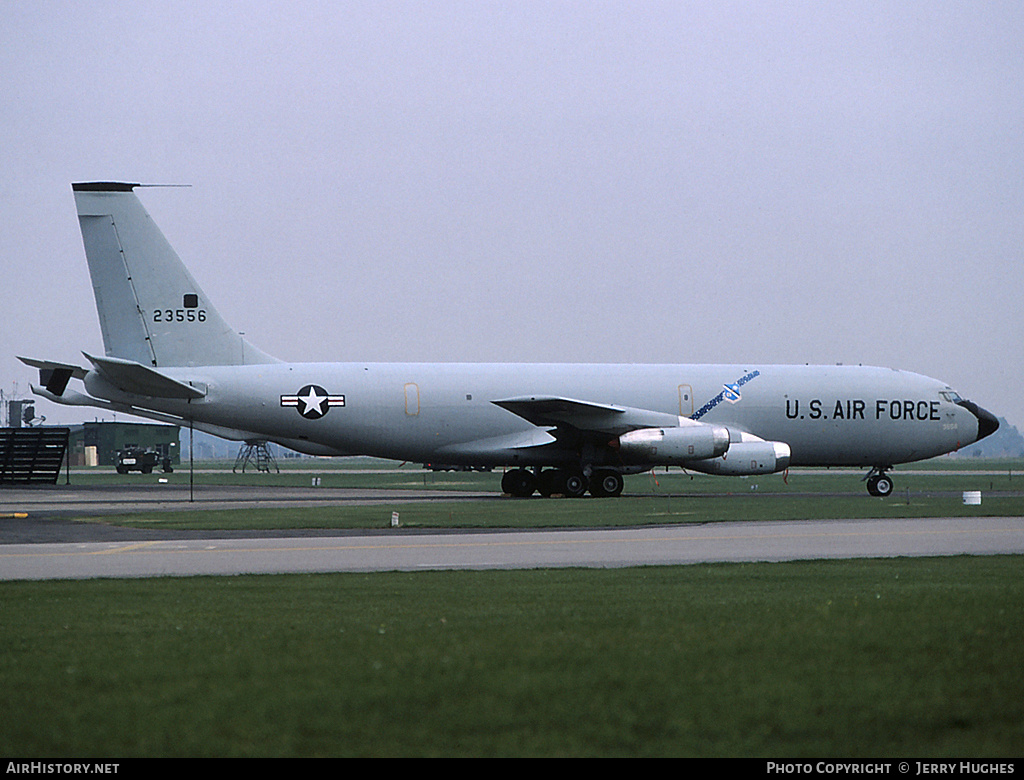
(536,181)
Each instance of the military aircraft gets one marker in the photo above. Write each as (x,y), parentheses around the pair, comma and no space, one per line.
(554,429)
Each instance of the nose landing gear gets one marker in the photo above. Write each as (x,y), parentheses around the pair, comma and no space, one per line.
(879,483)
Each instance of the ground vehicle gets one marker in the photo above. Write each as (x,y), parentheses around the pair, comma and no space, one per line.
(138,459)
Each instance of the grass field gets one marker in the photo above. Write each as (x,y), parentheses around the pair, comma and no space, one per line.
(866,658)
(898,657)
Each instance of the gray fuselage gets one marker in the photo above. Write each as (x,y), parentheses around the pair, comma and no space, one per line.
(424,412)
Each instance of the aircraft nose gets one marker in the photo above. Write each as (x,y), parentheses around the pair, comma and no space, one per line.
(987,422)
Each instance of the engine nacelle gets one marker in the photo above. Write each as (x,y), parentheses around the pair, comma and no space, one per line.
(746,458)
(673,446)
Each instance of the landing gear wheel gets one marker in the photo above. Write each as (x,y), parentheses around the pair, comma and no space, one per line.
(606,483)
(880,485)
(519,483)
(575,484)
(560,482)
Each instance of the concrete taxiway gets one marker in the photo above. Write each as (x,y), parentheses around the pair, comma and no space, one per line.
(48,544)
(410,551)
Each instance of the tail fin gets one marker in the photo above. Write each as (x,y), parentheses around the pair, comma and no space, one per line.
(151,309)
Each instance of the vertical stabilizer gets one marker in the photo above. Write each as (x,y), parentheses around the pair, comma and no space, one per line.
(151,310)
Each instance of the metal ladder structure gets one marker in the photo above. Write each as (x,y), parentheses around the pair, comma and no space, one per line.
(257,453)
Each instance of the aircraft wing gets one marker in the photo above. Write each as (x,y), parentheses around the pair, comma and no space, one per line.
(537,437)
(557,412)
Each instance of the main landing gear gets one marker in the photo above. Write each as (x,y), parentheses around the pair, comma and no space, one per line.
(879,483)
(566,482)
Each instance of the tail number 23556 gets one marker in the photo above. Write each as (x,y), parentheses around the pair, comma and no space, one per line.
(179,315)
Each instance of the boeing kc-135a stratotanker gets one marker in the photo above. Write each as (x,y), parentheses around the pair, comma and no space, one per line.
(555,429)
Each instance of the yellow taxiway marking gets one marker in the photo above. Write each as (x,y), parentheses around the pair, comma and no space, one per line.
(124,548)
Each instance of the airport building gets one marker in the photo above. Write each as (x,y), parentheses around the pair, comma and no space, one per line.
(97,443)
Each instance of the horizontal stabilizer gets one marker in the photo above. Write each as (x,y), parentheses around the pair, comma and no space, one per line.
(137,379)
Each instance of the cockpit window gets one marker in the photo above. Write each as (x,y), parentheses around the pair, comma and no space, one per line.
(950,396)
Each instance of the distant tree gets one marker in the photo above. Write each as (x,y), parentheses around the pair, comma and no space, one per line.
(1007,442)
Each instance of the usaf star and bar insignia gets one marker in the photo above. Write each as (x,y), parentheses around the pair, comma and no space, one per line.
(312,401)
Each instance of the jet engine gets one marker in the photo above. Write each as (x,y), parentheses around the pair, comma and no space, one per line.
(672,446)
(747,457)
